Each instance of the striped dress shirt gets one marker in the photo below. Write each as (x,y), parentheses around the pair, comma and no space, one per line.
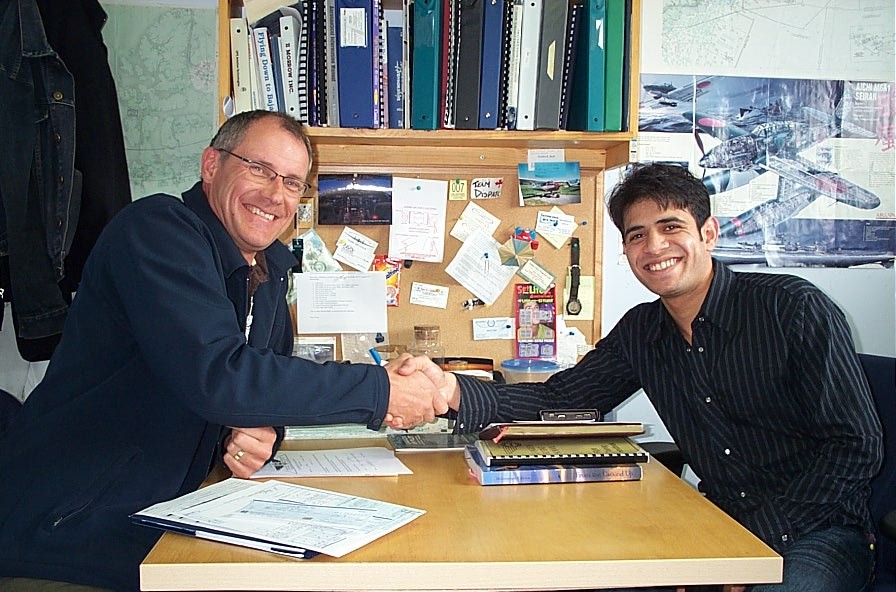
(768,402)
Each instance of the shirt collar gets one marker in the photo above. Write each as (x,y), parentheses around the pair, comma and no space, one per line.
(277,256)
(719,307)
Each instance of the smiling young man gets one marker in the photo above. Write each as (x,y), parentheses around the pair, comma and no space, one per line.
(755,376)
(176,356)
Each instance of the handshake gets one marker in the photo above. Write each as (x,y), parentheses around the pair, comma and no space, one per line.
(418,391)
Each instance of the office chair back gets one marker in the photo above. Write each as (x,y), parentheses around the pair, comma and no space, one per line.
(881,374)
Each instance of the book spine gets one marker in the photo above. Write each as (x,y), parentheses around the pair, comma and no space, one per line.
(240,57)
(266,78)
(288,64)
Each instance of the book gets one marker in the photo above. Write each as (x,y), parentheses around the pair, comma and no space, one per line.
(546,473)
(586,105)
(605,450)
(530,43)
(266,71)
(552,49)
(614,69)
(426,64)
(468,70)
(490,80)
(289,42)
(559,429)
(240,58)
(430,441)
(395,73)
(357,53)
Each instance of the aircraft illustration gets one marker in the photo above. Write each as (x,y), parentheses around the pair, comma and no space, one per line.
(668,94)
(774,145)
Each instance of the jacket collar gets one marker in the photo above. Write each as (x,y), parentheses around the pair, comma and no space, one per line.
(278,257)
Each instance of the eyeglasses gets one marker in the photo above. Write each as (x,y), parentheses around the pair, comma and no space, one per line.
(294,187)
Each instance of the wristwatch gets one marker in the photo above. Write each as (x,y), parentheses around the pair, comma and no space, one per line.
(573,306)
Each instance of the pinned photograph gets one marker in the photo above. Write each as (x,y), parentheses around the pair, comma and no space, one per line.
(356,199)
(550,183)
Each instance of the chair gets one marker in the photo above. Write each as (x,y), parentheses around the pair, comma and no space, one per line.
(881,374)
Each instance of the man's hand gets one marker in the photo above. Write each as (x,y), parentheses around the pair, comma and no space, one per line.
(247,449)
(417,391)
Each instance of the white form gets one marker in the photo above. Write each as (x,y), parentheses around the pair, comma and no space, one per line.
(368,461)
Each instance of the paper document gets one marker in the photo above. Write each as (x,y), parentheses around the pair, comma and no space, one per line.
(373,461)
(282,515)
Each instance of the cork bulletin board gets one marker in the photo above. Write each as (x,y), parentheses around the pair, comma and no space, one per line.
(456,162)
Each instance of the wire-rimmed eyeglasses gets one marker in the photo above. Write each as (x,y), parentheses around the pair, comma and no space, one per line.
(293,186)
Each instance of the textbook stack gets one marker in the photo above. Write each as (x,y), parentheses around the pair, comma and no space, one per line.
(546,452)
(435,64)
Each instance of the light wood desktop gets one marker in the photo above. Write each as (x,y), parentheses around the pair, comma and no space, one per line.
(657,531)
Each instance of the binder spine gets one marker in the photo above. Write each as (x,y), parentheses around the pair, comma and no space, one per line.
(506,44)
(303,63)
(332,69)
(569,61)
(453,20)
(380,64)
(267,82)
(514,48)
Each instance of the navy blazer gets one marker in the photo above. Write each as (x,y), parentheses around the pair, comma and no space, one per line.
(152,363)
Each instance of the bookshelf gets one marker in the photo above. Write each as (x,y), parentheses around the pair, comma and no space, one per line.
(468,154)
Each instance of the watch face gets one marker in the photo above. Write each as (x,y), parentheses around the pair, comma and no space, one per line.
(574,307)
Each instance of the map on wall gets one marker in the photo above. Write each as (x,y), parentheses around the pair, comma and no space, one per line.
(798,38)
(163,56)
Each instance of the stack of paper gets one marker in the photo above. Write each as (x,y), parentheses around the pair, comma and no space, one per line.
(278,517)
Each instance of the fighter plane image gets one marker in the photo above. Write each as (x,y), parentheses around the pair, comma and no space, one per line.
(774,145)
(667,93)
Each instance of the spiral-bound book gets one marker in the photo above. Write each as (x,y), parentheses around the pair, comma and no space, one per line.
(567,451)
(546,473)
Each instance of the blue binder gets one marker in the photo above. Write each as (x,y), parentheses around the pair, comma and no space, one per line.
(426,64)
(492,52)
(357,54)
(586,109)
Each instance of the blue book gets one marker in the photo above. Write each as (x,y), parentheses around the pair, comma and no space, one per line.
(547,473)
(492,52)
(396,65)
(586,107)
(357,49)
(426,64)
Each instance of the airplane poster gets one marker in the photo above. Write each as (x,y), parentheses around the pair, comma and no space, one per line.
(800,171)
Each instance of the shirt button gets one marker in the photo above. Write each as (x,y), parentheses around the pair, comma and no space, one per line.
(461,426)
(784,538)
(57,95)
(687,349)
(708,399)
(700,349)
(744,494)
(727,451)
(701,319)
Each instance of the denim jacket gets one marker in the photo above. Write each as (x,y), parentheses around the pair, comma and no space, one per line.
(39,187)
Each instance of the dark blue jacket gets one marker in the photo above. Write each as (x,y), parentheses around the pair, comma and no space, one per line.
(153,362)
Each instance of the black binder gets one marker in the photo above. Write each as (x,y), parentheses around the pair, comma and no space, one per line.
(552,47)
(469,64)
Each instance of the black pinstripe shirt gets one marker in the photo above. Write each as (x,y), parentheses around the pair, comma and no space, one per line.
(768,403)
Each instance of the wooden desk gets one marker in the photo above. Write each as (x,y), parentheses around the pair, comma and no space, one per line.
(657,531)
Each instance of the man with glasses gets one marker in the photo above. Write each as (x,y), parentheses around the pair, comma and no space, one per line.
(176,357)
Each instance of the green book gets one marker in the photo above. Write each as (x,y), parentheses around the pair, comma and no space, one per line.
(567,451)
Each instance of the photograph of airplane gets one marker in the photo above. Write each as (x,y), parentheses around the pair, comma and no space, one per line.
(744,128)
